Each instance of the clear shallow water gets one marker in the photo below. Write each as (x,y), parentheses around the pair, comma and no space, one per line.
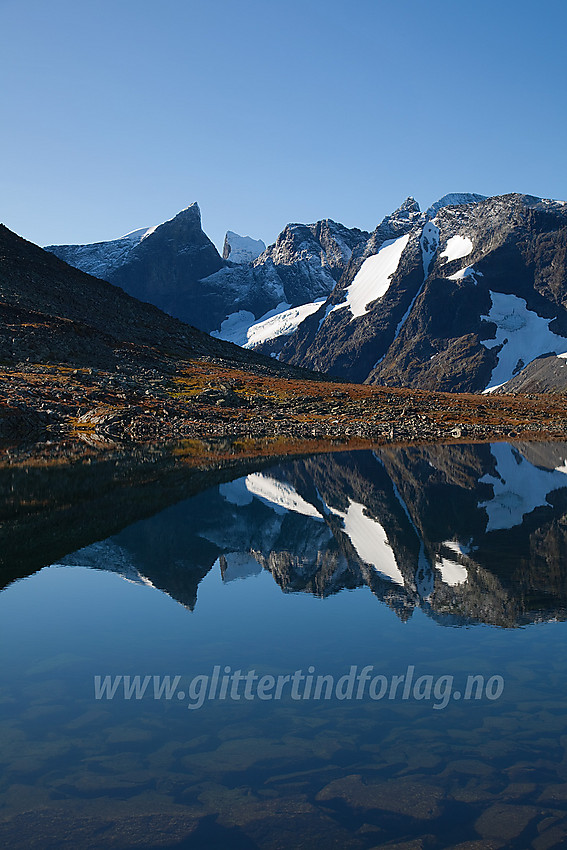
(319,566)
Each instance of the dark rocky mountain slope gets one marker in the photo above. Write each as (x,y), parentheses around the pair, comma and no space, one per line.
(462,298)
(176,267)
(51,312)
(162,265)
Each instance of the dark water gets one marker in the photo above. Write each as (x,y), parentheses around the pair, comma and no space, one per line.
(337,574)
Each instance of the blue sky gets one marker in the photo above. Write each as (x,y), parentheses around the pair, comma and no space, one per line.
(117,114)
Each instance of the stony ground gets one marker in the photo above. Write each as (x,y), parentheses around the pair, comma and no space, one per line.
(206,399)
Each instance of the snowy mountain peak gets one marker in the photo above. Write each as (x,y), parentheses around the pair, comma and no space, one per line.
(241,249)
(406,215)
(408,208)
(454,199)
(191,214)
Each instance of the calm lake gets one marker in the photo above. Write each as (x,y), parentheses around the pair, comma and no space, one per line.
(351,650)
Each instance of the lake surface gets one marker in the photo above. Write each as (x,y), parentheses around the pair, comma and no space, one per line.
(353,650)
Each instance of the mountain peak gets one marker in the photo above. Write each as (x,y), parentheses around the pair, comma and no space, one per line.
(410,205)
(241,249)
(192,212)
(192,208)
(454,199)
(395,224)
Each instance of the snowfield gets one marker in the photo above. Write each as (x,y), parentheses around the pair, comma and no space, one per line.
(457,248)
(243,329)
(236,326)
(282,324)
(101,258)
(374,277)
(522,334)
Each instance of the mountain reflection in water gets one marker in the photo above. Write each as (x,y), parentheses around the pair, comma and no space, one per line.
(282,569)
(469,534)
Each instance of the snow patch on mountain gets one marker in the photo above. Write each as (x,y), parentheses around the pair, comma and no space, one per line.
(236,326)
(100,258)
(374,276)
(280,496)
(241,249)
(468,272)
(551,202)
(370,541)
(280,324)
(141,234)
(518,487)
(457,247)
(328,309)
(245,330)
(522,335)
(325,246)
(345,251)
(429,243)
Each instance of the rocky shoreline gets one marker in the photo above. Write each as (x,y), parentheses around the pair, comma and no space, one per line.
(206,399)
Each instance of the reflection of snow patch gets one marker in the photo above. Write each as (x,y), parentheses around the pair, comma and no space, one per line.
(458,548)
(424,580)
(457,248)
(370,541)
(518,487)
(236,492)
(522,334)
(452,573)
(279,496)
